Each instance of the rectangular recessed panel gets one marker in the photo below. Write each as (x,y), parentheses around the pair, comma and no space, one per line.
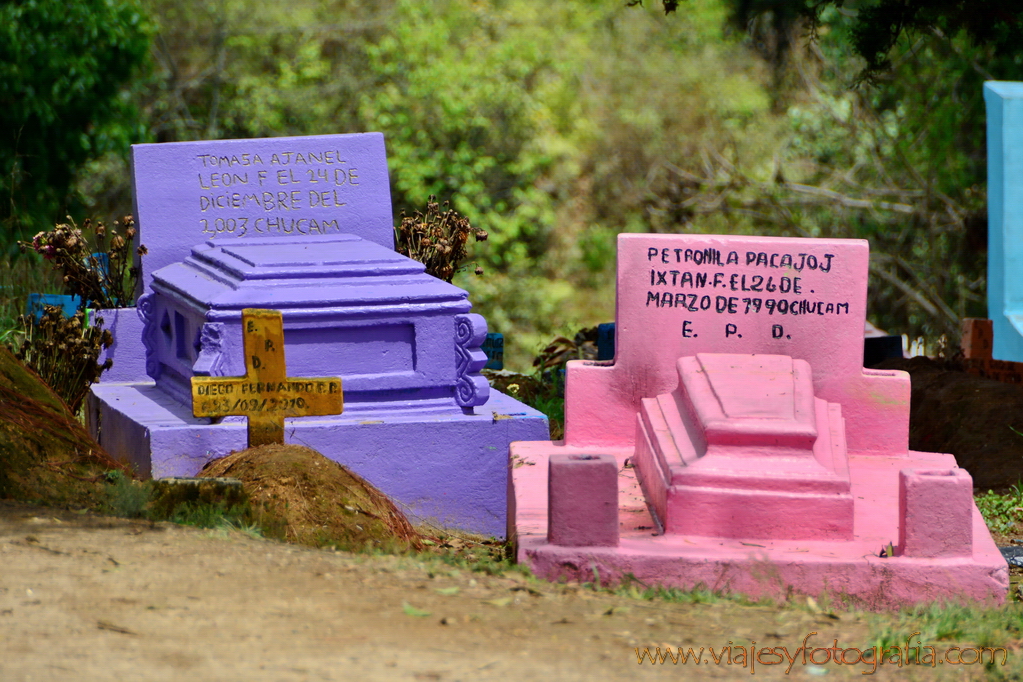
(380,349)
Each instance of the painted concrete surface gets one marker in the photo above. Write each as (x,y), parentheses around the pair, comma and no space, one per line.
(935,507)
(127,351)
(743,449)
(303,225)
(582,499)
(419,421)
(187,193)
(445,467)
(851,571)
(351,308)
(1004,102)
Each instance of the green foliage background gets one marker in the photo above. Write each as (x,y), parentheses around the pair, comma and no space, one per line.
(555,126)
(62,69)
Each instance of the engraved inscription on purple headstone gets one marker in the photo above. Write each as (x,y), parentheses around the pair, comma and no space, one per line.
(188,193)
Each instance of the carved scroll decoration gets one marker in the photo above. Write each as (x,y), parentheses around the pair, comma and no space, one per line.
(212,351)
(145,308)
(471,388)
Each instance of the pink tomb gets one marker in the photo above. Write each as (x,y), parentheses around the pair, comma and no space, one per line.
(754,452)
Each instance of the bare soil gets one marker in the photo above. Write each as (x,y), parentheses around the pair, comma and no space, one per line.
(86,597)
(300,496)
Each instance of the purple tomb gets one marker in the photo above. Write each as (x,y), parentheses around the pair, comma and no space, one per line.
(420,422)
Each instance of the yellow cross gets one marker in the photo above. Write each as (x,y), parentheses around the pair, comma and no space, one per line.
(265,394)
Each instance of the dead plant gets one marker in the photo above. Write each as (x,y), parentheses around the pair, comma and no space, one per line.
(96,266)
(438,239)
(64,352)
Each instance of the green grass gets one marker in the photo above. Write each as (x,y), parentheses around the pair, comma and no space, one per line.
(699,594)
(943,626)
(949,623)
(553,406)
(1002,511)
(212,515)
(468,553)
(992,633)
(938,625)
(132,499)
(126,498)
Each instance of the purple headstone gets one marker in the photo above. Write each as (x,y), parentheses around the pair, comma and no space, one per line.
(311,188)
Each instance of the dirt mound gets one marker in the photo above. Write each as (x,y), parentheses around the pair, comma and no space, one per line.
(46,455)
(298,495)
(978,420)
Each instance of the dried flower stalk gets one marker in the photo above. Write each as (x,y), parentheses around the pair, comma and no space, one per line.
(437,239)
(64,352)
(103,274)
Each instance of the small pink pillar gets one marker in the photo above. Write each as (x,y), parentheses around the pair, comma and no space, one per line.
(582,500)
(936,513)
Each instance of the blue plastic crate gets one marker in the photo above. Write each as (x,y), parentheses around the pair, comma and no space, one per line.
(36,302)
(493,346)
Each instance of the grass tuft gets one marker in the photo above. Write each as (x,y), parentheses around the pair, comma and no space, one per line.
(125,497)
(995,632)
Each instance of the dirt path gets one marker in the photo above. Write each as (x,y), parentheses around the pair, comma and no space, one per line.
(84,597)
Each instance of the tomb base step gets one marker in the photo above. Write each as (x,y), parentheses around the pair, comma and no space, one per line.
(449,469)
(850,571)
(758,514)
